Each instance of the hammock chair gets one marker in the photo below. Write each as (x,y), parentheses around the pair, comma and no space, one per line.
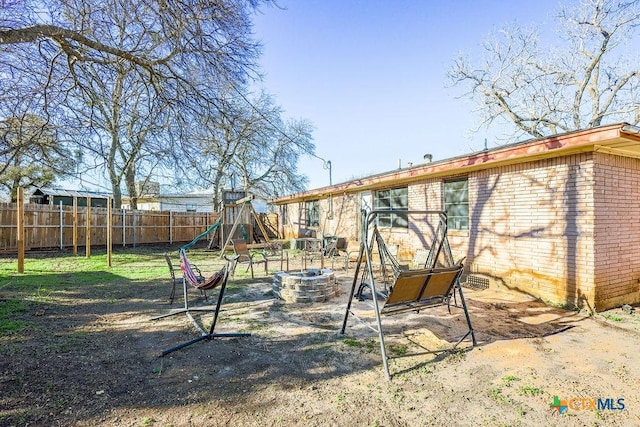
(409,290)
(216,280)
(195,277)
(195,280)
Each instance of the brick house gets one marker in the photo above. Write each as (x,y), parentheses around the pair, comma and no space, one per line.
(557,218)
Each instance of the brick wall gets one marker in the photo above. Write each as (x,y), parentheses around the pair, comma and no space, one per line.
(339,216)
(533,226)
(617,230)
(564,229)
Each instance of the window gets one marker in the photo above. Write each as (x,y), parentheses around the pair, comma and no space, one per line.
(456,203)
(191,208)
(312,208)
(396,199)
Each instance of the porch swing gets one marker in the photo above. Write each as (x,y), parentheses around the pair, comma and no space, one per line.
(405,290)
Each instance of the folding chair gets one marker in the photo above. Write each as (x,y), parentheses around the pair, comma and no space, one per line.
(244,256)
(274,251)
(413,290)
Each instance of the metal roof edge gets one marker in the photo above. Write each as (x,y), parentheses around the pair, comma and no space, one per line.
(70,193)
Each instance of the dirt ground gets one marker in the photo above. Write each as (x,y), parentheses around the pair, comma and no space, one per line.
(93,360)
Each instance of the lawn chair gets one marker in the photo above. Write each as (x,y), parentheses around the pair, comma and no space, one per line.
(333,246)
(175,280)
(413,290)
(244,256)
(312,250)
(274,251)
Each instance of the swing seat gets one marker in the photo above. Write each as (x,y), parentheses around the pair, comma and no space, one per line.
(415,290)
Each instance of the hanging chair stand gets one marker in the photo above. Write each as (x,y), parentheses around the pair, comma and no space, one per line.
(217,280)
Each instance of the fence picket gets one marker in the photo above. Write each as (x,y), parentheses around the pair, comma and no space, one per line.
(50,226)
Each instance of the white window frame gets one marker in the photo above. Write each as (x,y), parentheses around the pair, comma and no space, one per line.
(395,199)
(455,202)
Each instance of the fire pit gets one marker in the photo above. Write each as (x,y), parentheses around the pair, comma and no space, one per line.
(312,285)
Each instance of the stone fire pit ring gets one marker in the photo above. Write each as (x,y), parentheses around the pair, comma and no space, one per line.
(307,286)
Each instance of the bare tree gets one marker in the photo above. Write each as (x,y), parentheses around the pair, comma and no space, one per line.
(120,68)
(119,121)
(30,153)
(248,140)
(590,77)
(160,35)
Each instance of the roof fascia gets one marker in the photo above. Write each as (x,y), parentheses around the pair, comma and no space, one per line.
(596,139)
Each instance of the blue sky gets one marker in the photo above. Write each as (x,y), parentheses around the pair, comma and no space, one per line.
(371,76)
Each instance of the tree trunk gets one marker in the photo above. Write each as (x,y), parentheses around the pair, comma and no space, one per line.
(130,182)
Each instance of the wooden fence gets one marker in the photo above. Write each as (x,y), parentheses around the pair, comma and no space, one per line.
(48,226)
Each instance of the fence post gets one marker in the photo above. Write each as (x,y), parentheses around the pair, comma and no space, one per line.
(20,237)
(109,229)
(75,225)
(124,227)
(171,227)
(88,239)
(135,231)
(61,225)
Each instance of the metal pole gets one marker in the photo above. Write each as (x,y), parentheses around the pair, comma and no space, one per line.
(327,165)
(124,227)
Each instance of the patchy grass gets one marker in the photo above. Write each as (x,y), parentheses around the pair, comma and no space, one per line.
(350,342)
(530,391)
(507,380)
(562,305)
(398,349)
(67,271)
(496,395)
(612,317)
(9,310)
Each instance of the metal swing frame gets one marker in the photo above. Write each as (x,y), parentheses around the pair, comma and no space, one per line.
(404,303)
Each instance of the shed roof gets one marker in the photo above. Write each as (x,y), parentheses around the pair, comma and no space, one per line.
(620,139)
(69,193)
